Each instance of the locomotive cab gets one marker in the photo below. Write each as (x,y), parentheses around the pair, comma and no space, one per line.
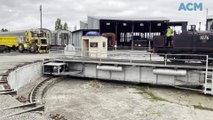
(187,42)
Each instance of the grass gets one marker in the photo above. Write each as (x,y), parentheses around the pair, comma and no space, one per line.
(153,97)
(152,113)
(202,107)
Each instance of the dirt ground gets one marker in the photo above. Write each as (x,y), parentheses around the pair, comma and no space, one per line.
(78,99)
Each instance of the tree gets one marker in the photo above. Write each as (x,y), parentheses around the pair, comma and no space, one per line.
(4,30)
(58,25)
(65,27)
(75,28)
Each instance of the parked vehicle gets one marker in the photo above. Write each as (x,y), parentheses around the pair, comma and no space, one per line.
(8,43)
(34,41)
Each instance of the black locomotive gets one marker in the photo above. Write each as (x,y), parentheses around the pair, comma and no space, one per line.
(187,42)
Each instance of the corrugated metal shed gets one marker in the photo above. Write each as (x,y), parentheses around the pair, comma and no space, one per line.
(129,18)
(93,23)
(76,36)
(209,22)
(61,37)
(83,25)
(210,17)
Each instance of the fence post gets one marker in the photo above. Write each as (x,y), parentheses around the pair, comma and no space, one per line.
(206,74)
(165,59)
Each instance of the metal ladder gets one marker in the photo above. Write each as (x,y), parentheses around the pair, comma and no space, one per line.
(208,81)
(208,85)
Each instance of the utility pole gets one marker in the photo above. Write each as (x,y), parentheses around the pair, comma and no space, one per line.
(41,17)
(207,10)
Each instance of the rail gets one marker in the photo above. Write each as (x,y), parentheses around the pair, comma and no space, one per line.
(31,108)
(135,56)
(34,91)
(129,56)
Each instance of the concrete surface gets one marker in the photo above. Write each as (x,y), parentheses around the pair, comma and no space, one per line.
(24,75)
(94,100)
(11,60)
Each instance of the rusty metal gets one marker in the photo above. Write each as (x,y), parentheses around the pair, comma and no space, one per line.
(32,95)
(36,108)
(111,39)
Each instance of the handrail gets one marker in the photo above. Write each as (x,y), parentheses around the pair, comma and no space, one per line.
(131,56)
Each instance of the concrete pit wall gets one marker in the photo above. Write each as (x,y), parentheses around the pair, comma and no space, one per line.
(139,74)
(24,75)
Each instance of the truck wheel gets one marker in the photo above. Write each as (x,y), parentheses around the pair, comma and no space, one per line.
(33,48)
(21,48)
(6,49)
(14,48)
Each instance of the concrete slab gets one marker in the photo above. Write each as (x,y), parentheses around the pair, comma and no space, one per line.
(96,100)
(1,87)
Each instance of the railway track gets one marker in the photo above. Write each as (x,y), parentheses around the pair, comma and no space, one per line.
(39,90)
(20,109)
(35,100)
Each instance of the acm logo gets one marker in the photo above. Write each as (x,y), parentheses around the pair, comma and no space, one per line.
(190,7)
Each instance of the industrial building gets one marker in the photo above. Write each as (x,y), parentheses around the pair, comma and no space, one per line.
(61,38)
(209,23)
(77,36)
(127,30)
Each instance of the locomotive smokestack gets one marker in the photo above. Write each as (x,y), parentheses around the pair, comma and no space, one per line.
(199,26)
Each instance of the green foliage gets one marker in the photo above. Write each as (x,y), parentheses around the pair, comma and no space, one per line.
(65,27)
(4,30)
(153,97)
(59,26)
(199,106)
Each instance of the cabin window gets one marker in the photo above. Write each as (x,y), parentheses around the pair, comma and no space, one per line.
(108,23)
(104,44)
(159,24)
(94,44)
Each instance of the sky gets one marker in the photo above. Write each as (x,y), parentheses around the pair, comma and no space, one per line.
(24,14)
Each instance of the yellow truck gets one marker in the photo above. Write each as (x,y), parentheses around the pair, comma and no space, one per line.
(8,43)
(34,41)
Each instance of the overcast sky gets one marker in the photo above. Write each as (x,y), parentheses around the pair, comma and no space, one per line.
(24,14)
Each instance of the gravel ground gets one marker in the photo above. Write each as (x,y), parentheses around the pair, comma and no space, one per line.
(94,100)
(9,101)
(7,61)
(28,116)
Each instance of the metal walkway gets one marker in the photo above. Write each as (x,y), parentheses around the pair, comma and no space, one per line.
(140,67)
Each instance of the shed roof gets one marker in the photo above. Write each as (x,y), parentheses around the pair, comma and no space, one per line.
(130,18)
(210,17)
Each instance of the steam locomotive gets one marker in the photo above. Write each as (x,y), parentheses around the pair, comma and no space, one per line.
(188,42)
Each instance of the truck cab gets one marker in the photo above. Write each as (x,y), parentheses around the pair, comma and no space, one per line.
(34,41)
